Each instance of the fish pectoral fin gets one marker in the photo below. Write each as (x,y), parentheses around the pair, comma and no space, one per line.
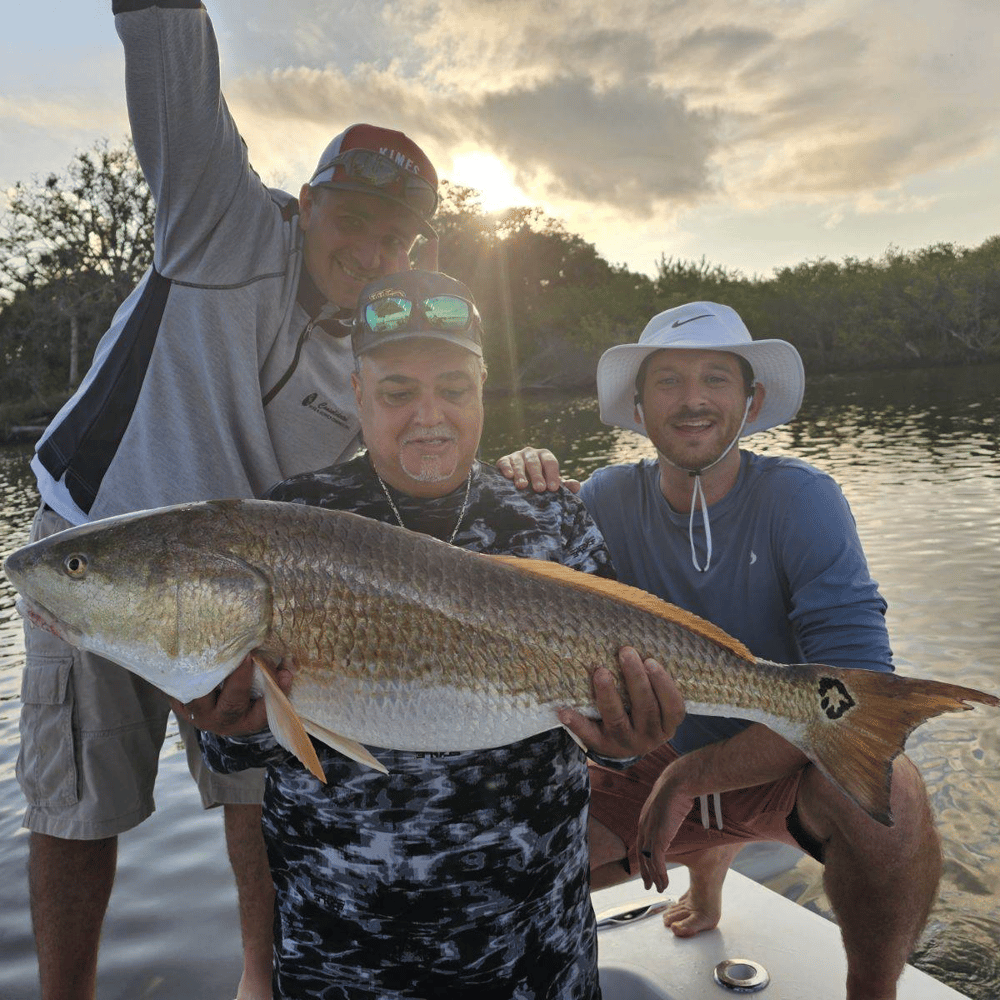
(285,722)
(349,748)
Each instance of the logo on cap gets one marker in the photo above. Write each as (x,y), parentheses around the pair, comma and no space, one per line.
(680,322)
(400,159)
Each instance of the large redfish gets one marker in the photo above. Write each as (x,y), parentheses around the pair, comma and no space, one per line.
(402,641)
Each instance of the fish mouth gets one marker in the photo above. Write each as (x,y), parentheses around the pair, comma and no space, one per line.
(38,616)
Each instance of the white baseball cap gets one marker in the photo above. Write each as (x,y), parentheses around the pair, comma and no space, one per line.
(702,326)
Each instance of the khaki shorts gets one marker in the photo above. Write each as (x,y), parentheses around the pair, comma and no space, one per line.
(761,813)
(91,734)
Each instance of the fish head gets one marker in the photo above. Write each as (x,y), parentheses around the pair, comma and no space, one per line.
(162,593)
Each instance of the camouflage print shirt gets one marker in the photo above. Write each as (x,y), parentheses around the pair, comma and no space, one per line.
(455,875)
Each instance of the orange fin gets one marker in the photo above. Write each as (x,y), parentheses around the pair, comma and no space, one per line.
(576,739)
(863,720)
(284,721)
(628,595)
(349,748)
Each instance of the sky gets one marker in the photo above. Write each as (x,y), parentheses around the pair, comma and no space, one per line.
(755,134)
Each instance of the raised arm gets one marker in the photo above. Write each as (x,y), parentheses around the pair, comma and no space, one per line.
(191,152)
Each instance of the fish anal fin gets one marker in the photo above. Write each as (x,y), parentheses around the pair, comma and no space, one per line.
(285,722)
(349,748)
(640,599)
(863,720)
(576,739)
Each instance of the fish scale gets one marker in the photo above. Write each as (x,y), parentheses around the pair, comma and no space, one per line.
(403,641)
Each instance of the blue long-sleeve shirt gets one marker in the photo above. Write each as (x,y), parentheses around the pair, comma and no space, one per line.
(788,576)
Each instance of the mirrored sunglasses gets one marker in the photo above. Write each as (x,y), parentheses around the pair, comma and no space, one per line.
(439,312)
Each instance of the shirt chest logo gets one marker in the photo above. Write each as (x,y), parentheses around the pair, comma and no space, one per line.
(319,405)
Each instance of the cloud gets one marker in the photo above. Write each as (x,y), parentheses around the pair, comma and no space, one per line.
(851,111)
(625,146)
(640,111)
(40,135)
(303,34)
(879,203)
(563,139)
(651,103)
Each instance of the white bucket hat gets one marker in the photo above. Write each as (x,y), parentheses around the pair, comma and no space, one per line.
(702,326)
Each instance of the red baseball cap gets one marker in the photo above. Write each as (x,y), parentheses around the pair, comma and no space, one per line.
(381,162)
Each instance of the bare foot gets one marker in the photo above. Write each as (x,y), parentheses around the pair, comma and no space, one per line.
(700,908)
(687,917)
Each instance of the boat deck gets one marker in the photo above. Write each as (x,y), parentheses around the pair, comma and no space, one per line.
(801,951)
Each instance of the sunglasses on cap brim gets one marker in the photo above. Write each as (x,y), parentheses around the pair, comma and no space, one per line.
(437,312)
(384,174)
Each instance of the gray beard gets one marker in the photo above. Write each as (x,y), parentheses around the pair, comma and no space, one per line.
(429,472)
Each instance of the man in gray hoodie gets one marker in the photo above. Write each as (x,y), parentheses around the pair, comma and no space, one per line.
(226,370)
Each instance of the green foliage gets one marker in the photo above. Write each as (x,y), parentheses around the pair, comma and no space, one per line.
(528,275)
(71,248)
(936,305)
(541,289)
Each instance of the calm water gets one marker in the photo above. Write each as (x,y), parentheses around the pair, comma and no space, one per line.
(918,456)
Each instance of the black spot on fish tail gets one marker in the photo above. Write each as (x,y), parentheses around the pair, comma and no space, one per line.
(834,698)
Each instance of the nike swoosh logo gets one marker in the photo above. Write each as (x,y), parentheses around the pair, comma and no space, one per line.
(753,557)
(680,322)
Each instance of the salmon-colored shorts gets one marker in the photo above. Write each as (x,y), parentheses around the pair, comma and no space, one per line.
(761,813)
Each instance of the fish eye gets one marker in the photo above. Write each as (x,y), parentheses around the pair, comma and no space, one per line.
(75,565)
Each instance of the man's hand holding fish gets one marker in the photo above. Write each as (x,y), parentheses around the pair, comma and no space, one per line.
(655,708)
(236,707)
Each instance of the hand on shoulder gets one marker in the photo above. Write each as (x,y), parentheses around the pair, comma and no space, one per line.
(536,467)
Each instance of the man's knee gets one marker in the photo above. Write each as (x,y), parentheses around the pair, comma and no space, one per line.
(828,814)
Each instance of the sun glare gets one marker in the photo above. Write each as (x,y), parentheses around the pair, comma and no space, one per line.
(490,177)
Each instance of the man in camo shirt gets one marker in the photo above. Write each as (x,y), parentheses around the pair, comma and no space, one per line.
(456,874)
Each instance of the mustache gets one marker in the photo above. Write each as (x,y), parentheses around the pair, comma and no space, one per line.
(438,431)
(689,414)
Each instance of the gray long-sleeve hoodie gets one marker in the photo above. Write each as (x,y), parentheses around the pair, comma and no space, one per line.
(222,373)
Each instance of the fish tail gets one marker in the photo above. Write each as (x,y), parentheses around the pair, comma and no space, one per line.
(862,723)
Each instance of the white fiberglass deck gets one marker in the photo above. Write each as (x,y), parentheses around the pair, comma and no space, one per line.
(800,950)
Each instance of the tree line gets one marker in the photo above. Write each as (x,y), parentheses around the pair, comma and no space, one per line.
(73,245)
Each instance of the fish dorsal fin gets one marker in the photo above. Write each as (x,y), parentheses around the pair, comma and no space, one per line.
(349,748)
(628,595)
(284,721)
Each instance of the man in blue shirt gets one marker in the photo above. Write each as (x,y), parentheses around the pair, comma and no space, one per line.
(766,548)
